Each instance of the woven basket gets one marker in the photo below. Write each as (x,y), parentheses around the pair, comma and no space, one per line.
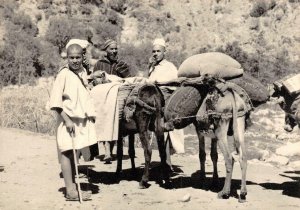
(123,93)
(184,102)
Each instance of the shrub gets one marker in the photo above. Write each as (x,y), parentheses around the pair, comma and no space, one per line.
(157,23)
(58,32)
(18,58)
(23,22)
(114,18)
(48,61)
(118,5)
(61,30)
(259,8)
(85,10)
(44,4)
(93,2)
(107,26)
(136,57)
(294,1)
(38,17)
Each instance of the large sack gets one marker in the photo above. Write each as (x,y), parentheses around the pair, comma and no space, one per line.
(212,63)
(257,92)
(184,102)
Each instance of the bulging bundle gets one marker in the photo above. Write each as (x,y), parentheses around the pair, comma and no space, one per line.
(257,92)
(212,63)
(184,102)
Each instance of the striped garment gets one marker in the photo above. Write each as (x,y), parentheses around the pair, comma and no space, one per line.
(119,68)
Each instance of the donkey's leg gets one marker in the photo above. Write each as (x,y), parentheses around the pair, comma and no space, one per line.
(214,158)
(131,152)
(221,134)
(163,152)
(119,154)
(242,156)
(142,124)
(202,154)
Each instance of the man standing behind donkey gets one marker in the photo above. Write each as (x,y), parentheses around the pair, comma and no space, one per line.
(162,70)
(111,65)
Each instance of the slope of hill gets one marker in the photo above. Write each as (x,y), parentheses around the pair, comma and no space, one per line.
(263,35)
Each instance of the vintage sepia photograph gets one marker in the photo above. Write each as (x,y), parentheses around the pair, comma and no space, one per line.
(150,104)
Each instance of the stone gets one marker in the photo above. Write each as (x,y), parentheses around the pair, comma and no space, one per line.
(291,149)
(295,164)
(186,198)
(280,160)
(263,155)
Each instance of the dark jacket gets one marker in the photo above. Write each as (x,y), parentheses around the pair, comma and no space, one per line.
(119,68)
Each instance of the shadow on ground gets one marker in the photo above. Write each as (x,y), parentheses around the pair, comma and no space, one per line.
(289,188)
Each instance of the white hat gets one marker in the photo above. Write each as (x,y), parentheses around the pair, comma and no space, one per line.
(81,42)
(160,42)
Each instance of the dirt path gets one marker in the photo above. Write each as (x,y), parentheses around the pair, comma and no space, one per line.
(30,180)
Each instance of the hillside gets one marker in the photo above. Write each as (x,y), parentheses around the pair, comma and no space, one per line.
(262,35)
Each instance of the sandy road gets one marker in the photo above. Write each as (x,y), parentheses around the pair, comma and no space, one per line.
(30,180)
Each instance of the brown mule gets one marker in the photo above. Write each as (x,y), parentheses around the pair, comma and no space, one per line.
(143,113)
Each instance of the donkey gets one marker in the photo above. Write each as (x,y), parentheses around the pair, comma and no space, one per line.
(189,104)
(289,103)
(142,112)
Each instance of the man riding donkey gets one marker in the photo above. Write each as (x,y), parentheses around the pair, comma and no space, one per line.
(161,70)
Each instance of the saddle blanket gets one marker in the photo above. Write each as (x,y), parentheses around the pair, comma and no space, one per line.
(107,114)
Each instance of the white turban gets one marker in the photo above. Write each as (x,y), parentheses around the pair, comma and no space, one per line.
(160,42)
(81,42)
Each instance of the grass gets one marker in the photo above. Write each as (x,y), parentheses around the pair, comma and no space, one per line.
(24,107)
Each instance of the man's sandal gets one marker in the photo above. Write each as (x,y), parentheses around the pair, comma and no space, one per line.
(73,196)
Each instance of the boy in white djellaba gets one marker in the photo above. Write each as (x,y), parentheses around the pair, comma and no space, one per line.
(70,98)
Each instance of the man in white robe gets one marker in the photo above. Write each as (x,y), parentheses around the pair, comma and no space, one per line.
(162,70)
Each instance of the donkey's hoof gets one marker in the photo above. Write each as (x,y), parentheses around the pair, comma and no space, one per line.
(223,195)
(215,183)
(202,175)
(143,185)
(133,172)
(242,197)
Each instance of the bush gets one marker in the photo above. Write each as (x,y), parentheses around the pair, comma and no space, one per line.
(23,22)
(114,18)
(44,4)
(18,58)
(259,9)
(158,24)
(109,26)
(48,61)
(118,5)
(61,30)
(136,57)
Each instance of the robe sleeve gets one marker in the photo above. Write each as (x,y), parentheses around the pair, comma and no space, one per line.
(56,97)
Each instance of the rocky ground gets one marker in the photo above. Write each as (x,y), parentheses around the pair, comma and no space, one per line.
(30,175)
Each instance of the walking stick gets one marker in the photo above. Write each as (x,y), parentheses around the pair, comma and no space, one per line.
(76,168)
